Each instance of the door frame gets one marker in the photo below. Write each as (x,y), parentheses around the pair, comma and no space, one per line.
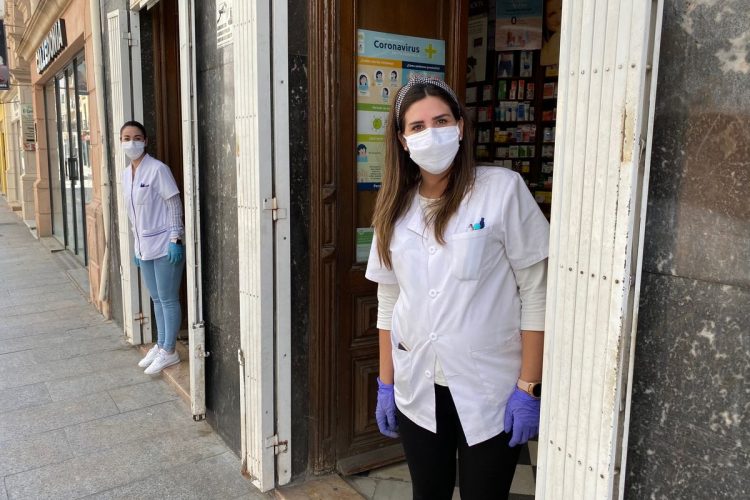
(327,22)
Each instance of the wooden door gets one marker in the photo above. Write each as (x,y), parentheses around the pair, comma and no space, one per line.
(168,133)
(358,443)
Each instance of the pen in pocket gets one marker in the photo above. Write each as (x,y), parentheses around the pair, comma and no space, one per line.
(477,226)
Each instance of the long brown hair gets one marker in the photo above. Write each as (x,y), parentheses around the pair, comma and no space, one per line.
(401,176)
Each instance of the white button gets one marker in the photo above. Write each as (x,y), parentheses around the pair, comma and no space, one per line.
(433,293)
(428,374)
(433,336)
(432,250)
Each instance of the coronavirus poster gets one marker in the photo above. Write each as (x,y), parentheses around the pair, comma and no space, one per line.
(386,61)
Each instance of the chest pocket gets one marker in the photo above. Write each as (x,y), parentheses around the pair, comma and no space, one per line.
(467,250)
(141,194)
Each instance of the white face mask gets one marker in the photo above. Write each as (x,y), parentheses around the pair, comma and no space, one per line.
(133,149)
(434,149)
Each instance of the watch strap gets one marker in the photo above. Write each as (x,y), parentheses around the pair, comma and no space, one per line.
(528,387)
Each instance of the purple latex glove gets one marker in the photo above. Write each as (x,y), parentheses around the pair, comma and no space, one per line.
(521,417)
(385,411)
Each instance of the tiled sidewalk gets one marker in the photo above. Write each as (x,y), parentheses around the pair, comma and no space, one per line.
(78,418)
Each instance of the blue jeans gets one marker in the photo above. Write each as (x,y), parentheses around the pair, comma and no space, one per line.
(163,282)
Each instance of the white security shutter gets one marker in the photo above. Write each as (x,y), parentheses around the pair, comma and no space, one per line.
(262,134)
(124,84)
(197,334)
(608,56)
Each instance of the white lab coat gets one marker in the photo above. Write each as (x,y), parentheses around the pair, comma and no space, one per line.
(145,198)
(459,302)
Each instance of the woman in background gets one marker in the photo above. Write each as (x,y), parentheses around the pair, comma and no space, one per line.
(155,212)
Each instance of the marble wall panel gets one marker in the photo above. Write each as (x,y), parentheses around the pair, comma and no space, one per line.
(219,246)
(691,404)
(691,395)
(698,221)
(300,219)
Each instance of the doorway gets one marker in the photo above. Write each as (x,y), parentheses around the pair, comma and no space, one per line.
(167,132)
(67,112)
(344,344)
(344,341)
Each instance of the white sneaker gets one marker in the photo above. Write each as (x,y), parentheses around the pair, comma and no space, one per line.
(149,357)
(163,360)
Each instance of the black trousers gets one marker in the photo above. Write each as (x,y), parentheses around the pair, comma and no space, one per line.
(485,470)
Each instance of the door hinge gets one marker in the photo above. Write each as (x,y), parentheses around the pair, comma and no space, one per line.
(278,446)
(140,318)
(272,204)
(201,352)
(132,42)
(241,357)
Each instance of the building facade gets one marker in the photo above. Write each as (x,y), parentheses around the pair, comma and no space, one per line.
(18,139)
(52,134)
(258,123)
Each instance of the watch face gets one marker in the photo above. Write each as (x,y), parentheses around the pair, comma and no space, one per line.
(537,390)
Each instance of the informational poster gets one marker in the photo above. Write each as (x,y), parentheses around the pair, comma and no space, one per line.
(386,61)
(518,24)
(27,126)
(223,23)
(364,242)
(476,57)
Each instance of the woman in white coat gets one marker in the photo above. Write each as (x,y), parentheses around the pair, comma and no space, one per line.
(155,212)
(459,256)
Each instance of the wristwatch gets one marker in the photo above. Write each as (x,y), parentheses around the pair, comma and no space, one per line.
(533,389)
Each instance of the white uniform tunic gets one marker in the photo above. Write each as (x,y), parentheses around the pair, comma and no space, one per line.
(459,302)
(145,198)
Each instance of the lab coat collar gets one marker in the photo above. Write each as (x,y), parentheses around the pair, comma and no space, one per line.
(414,217)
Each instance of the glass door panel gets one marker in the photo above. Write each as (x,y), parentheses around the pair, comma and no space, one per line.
(63,143)
(73,180)
(53,160)
(74,167)
(84,132)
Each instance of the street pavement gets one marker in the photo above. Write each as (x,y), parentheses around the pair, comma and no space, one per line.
(78,418)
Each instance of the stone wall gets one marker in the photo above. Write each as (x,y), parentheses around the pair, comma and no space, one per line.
(218,205)
(690,426)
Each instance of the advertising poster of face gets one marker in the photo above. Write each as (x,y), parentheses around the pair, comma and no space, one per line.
(551,33)
(518,24)
(4,70)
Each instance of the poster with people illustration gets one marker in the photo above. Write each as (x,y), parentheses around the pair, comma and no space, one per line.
(518,24)
(385,61)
